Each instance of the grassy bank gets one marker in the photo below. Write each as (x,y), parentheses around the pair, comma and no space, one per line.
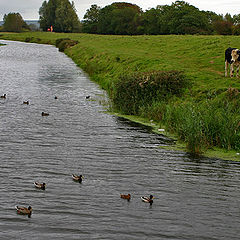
(201,109)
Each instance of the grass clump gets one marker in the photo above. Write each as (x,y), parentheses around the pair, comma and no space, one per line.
(136,91)
(203,126)
(64,43)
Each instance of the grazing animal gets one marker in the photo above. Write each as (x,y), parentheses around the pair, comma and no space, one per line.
(232,57)
(4,96)
(26,102)
(128,197)
(77,178)
(148,199)
(45,114)
(40,185)
(24,210)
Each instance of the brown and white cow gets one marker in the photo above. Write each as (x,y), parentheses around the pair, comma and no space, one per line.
(232,57)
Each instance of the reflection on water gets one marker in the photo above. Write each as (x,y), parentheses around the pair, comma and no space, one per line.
(195,198)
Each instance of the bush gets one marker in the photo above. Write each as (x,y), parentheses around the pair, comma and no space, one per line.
(64,43)
(133,91)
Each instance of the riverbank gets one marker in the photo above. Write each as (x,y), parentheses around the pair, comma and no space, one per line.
(205,115)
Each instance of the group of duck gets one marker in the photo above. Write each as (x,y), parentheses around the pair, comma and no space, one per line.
(42,186)
(4,96)
(78,178)
(144,199)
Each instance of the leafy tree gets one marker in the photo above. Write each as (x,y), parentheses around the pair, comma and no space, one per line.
(223,27)
(60,14)
(91,19)
(119,18)
(66,18)
(13,22)
(236,19)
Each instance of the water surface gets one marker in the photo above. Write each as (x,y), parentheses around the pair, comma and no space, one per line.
(195,198)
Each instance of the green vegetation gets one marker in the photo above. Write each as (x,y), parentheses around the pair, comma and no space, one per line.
(60,15)
(177,81)
(13,22)
(180,17)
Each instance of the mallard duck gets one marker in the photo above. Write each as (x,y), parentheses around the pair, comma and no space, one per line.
(148,199)
(4,96)
(26,102)
(77,178)
(24,210)
(45,114)
(40,185)
(128,197)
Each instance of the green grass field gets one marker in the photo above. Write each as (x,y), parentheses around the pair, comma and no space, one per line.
(205,117)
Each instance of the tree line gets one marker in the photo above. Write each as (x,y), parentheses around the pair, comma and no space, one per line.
(178,18)
(122,18)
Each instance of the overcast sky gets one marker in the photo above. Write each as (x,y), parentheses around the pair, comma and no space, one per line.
(29,8)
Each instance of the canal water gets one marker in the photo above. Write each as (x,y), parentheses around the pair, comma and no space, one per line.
(194,198)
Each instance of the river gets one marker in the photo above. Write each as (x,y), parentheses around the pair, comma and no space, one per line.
(194,198)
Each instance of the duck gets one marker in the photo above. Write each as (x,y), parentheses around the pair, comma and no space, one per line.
(45,114)
(40,185)
(3,96)
(148,199)
(24,210)
(128,196)
(55,97)
(26,102)
(77,178)
(87,97)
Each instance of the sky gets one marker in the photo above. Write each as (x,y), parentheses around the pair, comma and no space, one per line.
(29,8)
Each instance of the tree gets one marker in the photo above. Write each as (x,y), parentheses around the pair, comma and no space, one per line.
(66,18)
(91,19)
(119,18)
(13,22)
(60,14)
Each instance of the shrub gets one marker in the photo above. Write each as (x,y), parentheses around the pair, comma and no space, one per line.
(64,43)
(133,91)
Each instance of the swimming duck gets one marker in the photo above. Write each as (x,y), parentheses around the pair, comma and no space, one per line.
(24,210)
(26,102)
(40,185)
(128,197)
(4,96)
(87,97)
(55,97)
(148,199)
(77,178)
(45,114)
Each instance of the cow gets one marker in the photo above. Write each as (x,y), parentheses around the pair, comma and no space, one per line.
(232,57)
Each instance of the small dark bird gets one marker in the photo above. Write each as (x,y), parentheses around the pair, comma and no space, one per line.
(128,197)
(148,199)
(24,210)
(77,178)
(4,96)
(55,97)
(26,102)
(87,97)
(45,114)
(40,185)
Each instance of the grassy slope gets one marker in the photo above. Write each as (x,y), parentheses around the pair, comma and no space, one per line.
(105,57)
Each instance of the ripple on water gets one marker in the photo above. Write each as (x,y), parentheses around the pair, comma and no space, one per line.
(195,198)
